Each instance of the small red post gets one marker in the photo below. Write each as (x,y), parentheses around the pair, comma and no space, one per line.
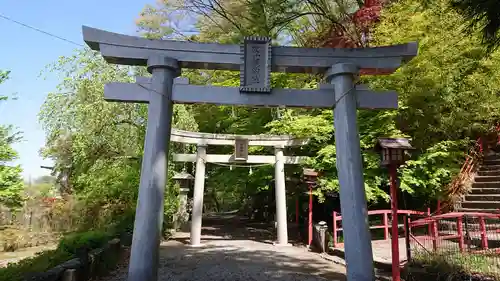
(405,226)
(435,234)
(386,226)
(429,216)
(297,211)
(484,238)
(409,224)
(334,234)
(460,232)
(438,207)
(498,130)
(310,222)
(396,275)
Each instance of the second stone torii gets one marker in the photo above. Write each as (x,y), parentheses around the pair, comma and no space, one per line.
(241,143)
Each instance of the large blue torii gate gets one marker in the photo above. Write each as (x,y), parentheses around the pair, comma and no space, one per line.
(255,59)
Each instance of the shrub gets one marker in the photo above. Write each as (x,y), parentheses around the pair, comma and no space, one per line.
(76,242)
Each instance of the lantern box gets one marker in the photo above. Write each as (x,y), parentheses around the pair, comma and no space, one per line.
(183,179)
(310,175)
(393,150)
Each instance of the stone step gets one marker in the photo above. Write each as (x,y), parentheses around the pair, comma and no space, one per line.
(491,161)
(476,210)
(488,191)
(483,197)
(489,173)
(487,178)
(481,204)
(482,185)
(492,156)
(489,167)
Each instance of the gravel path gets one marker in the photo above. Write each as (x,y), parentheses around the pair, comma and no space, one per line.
(228,256)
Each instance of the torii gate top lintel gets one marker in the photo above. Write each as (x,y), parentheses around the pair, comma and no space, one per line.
(132,50)
(229,139)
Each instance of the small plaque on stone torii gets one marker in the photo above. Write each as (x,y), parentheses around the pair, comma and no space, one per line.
(255,68)
(240,149)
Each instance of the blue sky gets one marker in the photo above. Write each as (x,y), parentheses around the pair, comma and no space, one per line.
(26,52)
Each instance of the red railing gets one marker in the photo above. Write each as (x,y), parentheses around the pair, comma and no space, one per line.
(385,222)
(454,229)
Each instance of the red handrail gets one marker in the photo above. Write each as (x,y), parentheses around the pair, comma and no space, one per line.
(385,223)
(434,221)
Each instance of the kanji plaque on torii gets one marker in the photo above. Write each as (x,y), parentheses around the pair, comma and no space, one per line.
(255,71)
(240,149)
(255,59)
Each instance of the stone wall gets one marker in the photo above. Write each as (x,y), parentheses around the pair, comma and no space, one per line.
(88,265)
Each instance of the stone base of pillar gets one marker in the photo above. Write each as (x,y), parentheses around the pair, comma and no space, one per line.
(282,245)
(196,246)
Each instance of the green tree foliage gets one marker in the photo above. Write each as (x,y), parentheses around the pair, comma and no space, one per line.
(448,97)
(483,15)
(97,144)
(11,184)
(44,186)
(448,93)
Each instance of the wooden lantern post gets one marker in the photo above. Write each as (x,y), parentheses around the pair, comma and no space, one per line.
(310,178)
(393,152)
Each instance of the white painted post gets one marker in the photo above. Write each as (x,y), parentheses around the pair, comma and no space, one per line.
(358,247)
(199,186)
(149,213)
(280,189)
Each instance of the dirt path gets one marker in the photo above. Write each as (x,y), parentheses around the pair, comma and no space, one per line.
(237,251)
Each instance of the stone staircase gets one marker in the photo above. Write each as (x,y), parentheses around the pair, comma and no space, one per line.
(484,195)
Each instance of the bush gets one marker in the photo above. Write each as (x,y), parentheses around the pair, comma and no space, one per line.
(76,242)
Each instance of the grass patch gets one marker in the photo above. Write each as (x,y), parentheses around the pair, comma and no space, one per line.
(446,265)
(12,238)
(69,247)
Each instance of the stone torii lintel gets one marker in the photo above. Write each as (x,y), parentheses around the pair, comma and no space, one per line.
(132,50)
(229,139)
(185,93)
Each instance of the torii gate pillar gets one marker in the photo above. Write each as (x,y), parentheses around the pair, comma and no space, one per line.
(358,247)
(149,213)
(199,188)
(280,191)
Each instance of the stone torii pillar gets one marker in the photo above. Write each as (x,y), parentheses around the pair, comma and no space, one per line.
(350,172)
(149,212)
(199,189)
(280,190)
